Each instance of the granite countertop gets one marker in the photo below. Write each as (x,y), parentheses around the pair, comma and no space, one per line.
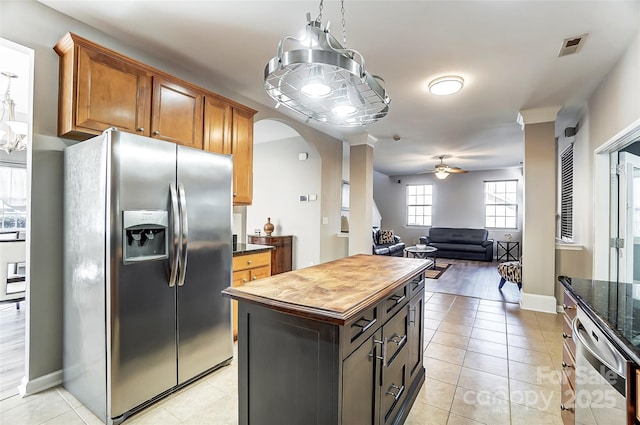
(335,291)
(249,248)
(614,306)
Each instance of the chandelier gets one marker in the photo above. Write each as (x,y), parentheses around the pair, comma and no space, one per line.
(13,134)
(324,80)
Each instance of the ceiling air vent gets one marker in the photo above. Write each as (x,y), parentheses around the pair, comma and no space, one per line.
(572,45)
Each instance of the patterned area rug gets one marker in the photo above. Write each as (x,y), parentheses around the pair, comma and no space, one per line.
(441,267)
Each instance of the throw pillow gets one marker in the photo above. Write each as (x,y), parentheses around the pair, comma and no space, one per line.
(385,236)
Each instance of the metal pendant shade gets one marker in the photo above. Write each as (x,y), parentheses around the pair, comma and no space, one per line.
(325,81)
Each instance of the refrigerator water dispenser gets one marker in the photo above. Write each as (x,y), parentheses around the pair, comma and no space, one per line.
(144,235)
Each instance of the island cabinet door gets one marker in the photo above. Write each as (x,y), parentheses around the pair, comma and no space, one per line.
(361,382)
(416,335)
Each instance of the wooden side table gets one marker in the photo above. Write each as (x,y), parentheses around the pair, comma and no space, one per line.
(510,251)
(281,257)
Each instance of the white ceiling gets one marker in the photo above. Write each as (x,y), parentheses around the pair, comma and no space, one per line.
(507,52)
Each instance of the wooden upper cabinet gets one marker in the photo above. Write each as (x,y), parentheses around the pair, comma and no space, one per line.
(177,113)
(100,88)
(229,130)
(242,150)
(106,92)
(217,125)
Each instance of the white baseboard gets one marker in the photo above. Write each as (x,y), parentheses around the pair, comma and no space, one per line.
(543,303)
(29,387)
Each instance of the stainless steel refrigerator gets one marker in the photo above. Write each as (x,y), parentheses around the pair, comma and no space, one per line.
(147,227)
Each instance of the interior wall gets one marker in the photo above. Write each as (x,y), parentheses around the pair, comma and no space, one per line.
(613,107)
(279,179)
(330,151)
(458,201)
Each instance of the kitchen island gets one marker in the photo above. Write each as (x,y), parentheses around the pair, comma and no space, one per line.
(336,343)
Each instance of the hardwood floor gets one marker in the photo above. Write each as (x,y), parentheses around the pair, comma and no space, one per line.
(478,279)
(12,330)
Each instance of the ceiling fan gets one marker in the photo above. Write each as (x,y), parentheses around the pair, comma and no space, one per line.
(442,170)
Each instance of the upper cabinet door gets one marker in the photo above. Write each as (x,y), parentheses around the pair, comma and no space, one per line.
(242,149)
(217,125)
(111,93)
(177,113)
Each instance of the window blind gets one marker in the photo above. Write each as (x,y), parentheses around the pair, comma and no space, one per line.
(566,193)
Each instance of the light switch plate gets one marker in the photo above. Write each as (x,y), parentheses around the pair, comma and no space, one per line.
(304,198)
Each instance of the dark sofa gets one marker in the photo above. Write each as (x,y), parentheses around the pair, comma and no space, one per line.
(395,248)
(464,244)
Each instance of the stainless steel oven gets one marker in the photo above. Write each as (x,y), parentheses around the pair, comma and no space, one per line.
(603,377)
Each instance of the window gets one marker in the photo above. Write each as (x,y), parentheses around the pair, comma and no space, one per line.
(500,204)
(13,197)
(566,193)
(419,203)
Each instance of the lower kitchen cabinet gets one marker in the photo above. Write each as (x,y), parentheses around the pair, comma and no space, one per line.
(298,370)
(282,255)
(568,383)
(247,268)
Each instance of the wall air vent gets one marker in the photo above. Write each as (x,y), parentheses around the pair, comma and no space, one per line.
(572,45)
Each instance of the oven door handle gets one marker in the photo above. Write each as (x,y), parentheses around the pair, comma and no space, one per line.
(597,362)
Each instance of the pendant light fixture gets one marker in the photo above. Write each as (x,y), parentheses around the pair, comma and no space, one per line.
(12,133)
(324,80)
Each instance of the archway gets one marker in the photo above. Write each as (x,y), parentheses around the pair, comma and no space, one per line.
(287,184)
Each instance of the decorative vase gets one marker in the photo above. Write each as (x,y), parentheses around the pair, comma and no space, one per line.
(268,227)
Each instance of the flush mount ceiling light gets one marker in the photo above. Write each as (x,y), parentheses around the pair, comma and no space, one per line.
(12,133)
(324,80)
(446,85)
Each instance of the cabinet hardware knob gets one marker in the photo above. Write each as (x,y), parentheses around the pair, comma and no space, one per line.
(140,129)
(563,407)
(156,133)
(564,364)
(244,280)
(254,278)
(249,261)
(568,307)
(235,194)
(565,336)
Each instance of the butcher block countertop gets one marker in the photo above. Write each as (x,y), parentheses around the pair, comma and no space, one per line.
(335,291)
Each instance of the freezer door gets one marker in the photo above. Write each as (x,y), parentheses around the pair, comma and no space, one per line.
(204,316)
(142,303)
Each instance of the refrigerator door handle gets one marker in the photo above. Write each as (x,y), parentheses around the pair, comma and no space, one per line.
(184,233)
(175,222)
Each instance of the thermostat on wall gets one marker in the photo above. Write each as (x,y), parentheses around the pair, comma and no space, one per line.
(302,156)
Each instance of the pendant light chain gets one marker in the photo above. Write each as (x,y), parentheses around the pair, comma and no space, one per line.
(319,19)
(344,27)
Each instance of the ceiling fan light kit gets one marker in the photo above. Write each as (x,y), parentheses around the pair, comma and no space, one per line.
(442,170)
(446,85)
(324,80)
(441,174)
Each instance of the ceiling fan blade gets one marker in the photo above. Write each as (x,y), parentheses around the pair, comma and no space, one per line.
(456,170)
(425,172)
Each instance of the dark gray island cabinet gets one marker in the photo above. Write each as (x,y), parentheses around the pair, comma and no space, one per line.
(338,343)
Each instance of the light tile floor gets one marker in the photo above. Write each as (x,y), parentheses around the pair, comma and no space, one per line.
(488,362)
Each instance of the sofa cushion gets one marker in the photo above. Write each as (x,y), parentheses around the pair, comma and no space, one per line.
(458,247)
(385,236)
(458,236)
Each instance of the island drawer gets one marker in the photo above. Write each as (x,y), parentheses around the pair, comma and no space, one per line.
(250,261)
(360,329)
(396,300)
(416,284)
